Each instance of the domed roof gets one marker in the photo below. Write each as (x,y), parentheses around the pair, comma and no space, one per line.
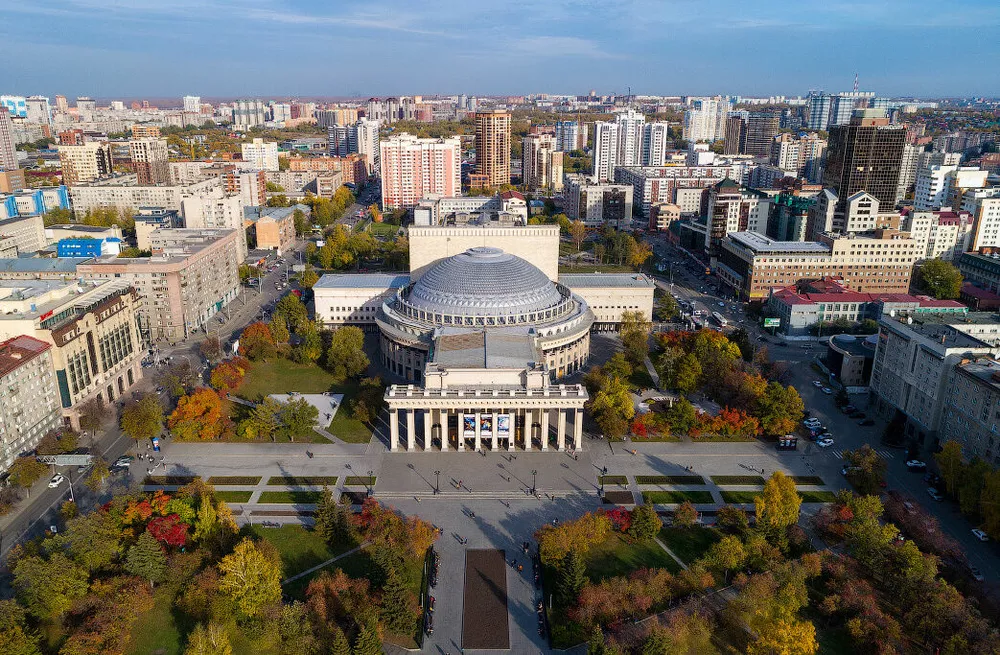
(484,282)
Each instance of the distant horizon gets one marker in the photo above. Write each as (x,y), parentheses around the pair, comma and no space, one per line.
(239,48)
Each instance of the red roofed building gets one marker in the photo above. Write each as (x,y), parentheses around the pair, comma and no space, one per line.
(29,401)
(827,300)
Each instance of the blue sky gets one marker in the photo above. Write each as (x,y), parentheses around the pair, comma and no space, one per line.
(157,48)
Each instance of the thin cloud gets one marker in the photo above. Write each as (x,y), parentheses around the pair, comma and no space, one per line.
(561,46)
(369,20)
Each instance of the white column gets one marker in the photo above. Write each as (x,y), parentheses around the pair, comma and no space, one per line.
(428,428)
(561,429)
(479,434)
(495,443)
(443,422)
(461,432)
(512,417)
(545,428)
(578,430)
(393,430)
(411,431)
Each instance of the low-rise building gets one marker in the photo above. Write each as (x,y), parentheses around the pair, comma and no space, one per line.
(28,406)
(354,299)
(507,207)
(851,359)
(609,295)
(88,247)
(753,264)
(274,227)
(191,276)
(27,233)
(92,328)
(981,270)
(662,215)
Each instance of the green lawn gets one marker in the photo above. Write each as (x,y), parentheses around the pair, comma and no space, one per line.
(300,548)
(723,480)
(739,496)
(383,229)
(641,379)
(667,497)
(234,496)
(669,479)
(293,497)
(170,479)
(360,480)
(281,376)
(618,556)
(595,268)
(808,480)
(818,496)
(243,480)
(612,479)
(301,480)
(156,631)
(689,543)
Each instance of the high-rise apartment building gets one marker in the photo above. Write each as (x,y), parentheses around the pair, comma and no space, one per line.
(826,111)
(732,208)
(598,203)
(628,141)
(150,160)
(493,147)
(944,186)
(414,168)
(605,151)
(261,155)
(86,108)
(705,121)
(249,113)
(336,116)
(865,155)
(805,155)
(85,163)
(38,110)
(8,155)
(984,205)
(570,135)
(752,134)
(192,104)
(28,407)
(362,137)
(16,105)
(62,105)
(818,111)
(541,162)
(656,142)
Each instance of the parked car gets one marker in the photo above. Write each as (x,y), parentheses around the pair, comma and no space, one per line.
(935,494)
(980,535)
(933,479)
(847,409)
(123,461)
(817,384)
(976,574)
(916,465)
(56,481)
(827,390)
(825,442)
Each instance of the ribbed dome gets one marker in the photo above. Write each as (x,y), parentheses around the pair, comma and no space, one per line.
(484,282)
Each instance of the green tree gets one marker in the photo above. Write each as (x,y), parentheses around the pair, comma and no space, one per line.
(572,577)
(298,417)
(686,374)
(264,418)
(296,631)
(940,279)
(143,418)
(25,471)
(207,520)
(326,516)
(777,506)
(635,336)
(93,540)
(612,407)
(345,356)
(726,555)
(145,559)
(682,416)
(367,642)
(16,637)
(210,640)
(398,607)
(666,308)
(617,367)
(48,588)
(279,329)
(865,469)
(301,222)
(310,347)
(292,310)
(645,524)
(250,579)
(989,504)
(951,465)
(309,278)
(338,643)
(780,409)
(99,472)
(971,486)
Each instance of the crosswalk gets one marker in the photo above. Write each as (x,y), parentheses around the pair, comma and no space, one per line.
(882,452)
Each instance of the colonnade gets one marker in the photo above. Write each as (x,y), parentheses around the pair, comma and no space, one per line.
(505,428)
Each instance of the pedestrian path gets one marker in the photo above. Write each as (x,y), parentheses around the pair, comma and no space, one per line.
(324,564)
(884,453)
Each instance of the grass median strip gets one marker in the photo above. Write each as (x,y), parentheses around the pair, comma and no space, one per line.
(818,496)
(808,480)
(612,479)
(727,480)
(669,479)
(739,496)
(301,480)
(170,479)
(806,496)
(234,496)
(668,497)
(294,497)
(360,480)
(234,479)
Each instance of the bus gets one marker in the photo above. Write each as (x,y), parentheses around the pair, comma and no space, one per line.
(720,319)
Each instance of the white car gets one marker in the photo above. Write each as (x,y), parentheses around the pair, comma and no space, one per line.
(56,481)
(827,390)
(817,384)
(825,442)
(980,535)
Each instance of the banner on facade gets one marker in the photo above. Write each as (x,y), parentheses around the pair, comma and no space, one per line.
(469,425)
(486,424)
(503,425)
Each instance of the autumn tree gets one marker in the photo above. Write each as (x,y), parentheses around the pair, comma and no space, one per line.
(345,356)
(685,374)
(198,416)
(279,330)
(635,330)
(780,409)
(777,506)
(47,588)
(179,378)
(93,414)
(16,636)
(250,579)
(211,348)
(208,640)
(308,278)
(257,342)
(310,346)
(865,469)
(99,472)
(93,540)
(951,464)
(685,515)
(143,418)
(228,375)
(612,407)
(25,471)
(145,559)
(577,232)
(726,555)
(555,541)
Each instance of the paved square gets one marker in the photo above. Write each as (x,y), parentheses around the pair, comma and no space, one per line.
(326,404)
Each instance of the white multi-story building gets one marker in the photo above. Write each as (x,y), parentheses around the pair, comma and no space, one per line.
(596,203)
(38,110)
(413,168)
(8,156)
(946,234)
(212,209)
(249,113)
(628,141)
(129,197)
(364,140)
(984,205)
(803,155)
(192,104)
(570,135)
(939,185)
(261,155)
(705,121)
(656,142)
(541,162)
(29,405)
(605,150)
(907,171)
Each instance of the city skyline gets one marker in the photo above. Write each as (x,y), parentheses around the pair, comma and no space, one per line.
(100,48)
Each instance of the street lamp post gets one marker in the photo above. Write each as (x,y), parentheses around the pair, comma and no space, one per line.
(437,482)
(534,487)
(604,473)
(371,487)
